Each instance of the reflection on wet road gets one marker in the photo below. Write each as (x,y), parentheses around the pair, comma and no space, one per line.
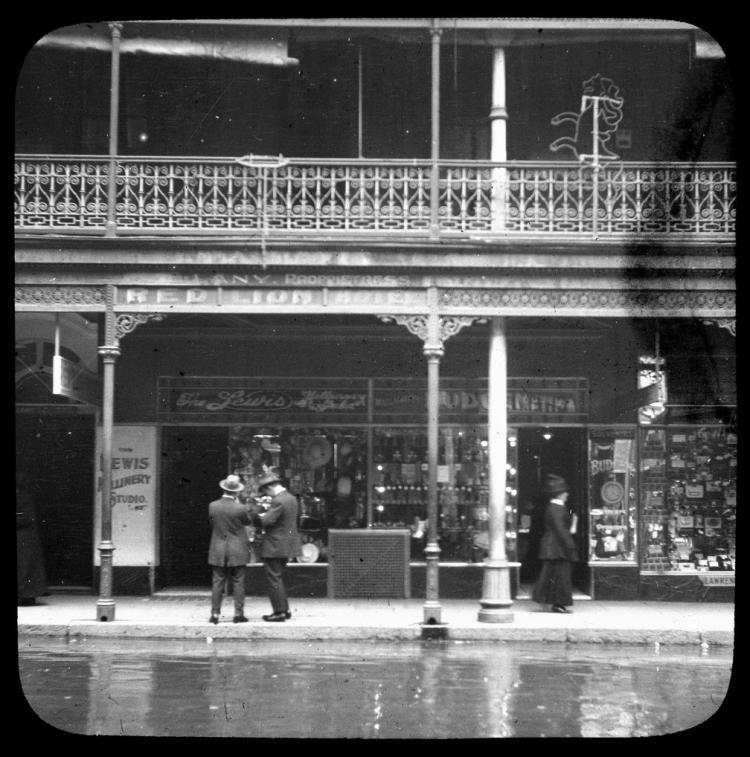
(370,690)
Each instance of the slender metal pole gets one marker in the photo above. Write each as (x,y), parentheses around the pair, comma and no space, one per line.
(499,144)
(595,153)
(105,606)
(496,600)
(360,76)
(114,104)
(433,351)
(435,134)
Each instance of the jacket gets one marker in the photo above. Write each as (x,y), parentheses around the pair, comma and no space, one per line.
(557,542)
(279,523)
(229,543)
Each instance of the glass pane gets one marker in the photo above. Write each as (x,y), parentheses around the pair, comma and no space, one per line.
(612,495)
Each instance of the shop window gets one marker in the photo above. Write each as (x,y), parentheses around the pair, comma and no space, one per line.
(400,490)
(688,498)
(612,495)
(324,467)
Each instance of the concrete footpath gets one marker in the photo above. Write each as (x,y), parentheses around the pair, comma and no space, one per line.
(184,616)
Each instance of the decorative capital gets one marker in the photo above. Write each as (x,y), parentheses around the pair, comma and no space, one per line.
(109,351)
(730,324)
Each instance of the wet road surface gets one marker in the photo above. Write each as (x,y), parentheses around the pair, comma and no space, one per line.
(370,690)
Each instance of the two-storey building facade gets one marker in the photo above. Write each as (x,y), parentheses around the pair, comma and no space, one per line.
(413,264)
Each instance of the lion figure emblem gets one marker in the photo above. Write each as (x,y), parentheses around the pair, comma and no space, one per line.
(608,117)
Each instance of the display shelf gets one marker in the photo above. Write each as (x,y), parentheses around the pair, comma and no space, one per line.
(688,499)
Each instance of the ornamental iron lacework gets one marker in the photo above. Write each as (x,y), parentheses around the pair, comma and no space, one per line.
(45,295)
(125,323)
(593,298)
(419,325)
(175,194)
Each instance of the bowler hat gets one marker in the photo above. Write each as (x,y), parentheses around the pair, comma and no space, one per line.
(554,484)
(268,478)
(232,483)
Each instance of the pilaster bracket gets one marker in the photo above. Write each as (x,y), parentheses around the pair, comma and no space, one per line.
(433,331)
(730,324)
(126,323)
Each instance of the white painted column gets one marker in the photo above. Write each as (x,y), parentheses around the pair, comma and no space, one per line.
(498,138)
(496,600)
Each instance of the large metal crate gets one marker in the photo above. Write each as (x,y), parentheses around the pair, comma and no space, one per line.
(369,563)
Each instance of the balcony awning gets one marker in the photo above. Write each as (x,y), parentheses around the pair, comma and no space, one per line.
(265,47)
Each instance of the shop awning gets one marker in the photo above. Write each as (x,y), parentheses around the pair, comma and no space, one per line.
(267,47)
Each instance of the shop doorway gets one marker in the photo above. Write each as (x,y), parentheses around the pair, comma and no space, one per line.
(541,451)
(55,457)
(194,460)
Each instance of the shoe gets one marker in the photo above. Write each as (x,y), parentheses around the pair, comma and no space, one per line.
(560,608)
(288,614)
(239,619)
(213,619)
(276,617)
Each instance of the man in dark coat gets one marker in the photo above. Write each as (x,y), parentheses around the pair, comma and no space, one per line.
(280,541)
(557,549)
(229,551)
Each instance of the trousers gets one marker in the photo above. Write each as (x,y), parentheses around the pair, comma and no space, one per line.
(232,579)
(274,570)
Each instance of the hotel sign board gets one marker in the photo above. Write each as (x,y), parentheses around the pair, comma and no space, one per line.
(238,299)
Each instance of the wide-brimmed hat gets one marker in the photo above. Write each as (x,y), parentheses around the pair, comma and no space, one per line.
(232,483)
(554,484)
(268,478)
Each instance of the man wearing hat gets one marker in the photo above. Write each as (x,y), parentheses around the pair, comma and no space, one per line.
(557,549)
(280,541)
(229,551)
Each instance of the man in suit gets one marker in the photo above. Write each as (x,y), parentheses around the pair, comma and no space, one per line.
(229,551)
(280,542)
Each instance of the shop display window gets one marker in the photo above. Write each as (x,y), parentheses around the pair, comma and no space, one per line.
(324,467)
(689,500)
(612,495)
(400,490)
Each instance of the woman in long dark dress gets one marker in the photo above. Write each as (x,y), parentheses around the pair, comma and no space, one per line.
(32,581)
(557,550)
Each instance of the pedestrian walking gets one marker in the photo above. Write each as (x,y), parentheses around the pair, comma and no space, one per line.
(229,550)
(557,549)
(281,541)
(32,578)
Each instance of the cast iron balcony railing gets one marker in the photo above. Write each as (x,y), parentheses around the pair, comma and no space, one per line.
(160,196)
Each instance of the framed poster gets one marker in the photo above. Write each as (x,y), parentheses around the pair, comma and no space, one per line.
(134,489)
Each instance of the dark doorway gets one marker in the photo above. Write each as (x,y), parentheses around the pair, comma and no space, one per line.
(55,454)
(194,461)
(542,451)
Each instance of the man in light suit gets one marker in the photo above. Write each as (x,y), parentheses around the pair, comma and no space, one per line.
(280,542)
(229,551)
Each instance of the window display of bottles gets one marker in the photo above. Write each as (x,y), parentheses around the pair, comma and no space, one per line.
(689,509)
(400,489)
